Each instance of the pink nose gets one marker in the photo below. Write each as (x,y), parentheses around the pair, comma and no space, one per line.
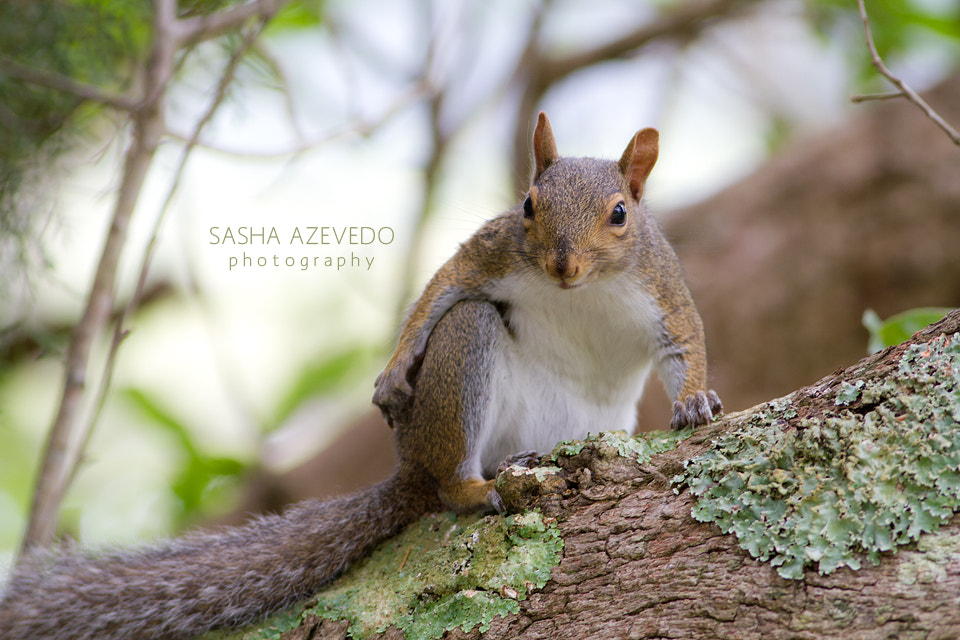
(562,266)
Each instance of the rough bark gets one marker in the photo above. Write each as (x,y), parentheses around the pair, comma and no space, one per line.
(637,565)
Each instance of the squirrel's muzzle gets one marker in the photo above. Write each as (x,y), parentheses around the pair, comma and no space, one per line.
(564,266)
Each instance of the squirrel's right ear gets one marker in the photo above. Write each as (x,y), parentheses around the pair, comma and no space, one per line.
(544,146)
(638,159)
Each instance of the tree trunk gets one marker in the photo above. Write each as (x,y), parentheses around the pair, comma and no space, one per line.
(636,564)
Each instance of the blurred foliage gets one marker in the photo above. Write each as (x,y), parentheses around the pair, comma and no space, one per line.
(200,481)
(897,329)
(324,375)
(103,44)
(298,15)
(897,26)
(96,42)
(16,480)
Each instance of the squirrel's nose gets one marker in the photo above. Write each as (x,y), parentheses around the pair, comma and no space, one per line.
(562,265)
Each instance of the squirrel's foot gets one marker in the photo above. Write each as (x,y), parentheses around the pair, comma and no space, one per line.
(696,410)
(527,459)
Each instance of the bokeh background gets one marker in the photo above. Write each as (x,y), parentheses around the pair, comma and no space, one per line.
(239,388)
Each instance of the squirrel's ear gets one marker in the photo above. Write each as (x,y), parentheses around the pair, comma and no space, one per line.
(638,159)
(544,146)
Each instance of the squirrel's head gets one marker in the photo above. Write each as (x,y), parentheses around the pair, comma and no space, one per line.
(583,218)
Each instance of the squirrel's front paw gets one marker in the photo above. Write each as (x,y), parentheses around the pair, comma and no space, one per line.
(393,393)
(696,410)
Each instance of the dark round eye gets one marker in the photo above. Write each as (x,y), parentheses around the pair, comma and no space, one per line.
(618,217)
(528,208)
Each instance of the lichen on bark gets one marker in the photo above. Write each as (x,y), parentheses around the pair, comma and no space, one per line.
(444,572)
(635,564)
(832,491)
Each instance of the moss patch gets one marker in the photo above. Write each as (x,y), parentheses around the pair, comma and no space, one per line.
(443,572)
(830,492)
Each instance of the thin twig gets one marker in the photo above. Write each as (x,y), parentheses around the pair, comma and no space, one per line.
(147,130)
(206,27)
(119,332)
(68,85)
(360,127)
(538,71)
(404,561)
(907,92)
(867,97)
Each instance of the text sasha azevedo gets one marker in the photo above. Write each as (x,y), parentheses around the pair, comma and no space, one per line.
(301,236)
(304,236)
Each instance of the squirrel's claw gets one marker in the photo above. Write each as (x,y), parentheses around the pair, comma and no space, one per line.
(696,410)
(527,459)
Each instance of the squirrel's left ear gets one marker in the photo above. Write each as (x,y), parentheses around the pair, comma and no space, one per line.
(638,159)
(544,146)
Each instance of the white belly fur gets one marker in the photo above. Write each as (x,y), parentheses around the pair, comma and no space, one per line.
(575,364)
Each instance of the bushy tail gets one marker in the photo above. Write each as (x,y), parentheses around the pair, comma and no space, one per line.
(179,588)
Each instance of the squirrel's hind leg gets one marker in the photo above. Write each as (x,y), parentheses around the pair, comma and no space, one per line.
(448,412)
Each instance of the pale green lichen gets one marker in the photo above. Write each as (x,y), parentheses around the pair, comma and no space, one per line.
(539,473)
(829,492)
(928,564)
(448,571)
(443,572)
(641,447)
(848,392)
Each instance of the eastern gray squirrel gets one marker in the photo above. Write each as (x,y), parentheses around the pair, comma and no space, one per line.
(542,327)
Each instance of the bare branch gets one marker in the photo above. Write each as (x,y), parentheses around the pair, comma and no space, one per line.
(68,85)
(119,332)
(206,27)
(856,99)
(148,128)
(360,127)
(907,92)
(684,20)
(537,72)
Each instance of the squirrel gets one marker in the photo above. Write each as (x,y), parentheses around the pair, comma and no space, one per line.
(542,327)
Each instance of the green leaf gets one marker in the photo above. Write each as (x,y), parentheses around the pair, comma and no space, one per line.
(298,15)
(200,479)
(898,328)
(324,375)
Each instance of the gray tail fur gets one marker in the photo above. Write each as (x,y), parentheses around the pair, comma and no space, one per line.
(179,588)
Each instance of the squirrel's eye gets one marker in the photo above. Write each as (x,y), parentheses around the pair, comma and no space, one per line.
(528,208)
(619,215)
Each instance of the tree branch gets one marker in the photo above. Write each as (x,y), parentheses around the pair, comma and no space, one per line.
(685,20)
(537,72)
(147,130)
(359,127)
(905,89)
(637,561)
(119,332)
(875,96)
(58,82)
(206,27)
